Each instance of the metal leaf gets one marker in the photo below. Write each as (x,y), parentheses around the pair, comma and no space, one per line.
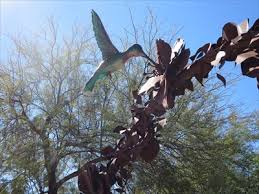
(163,52)
(230,31)
(107,151)
(149,152)
(221,78)
(151,82)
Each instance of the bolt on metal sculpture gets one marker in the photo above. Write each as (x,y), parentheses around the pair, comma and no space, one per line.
(171,76)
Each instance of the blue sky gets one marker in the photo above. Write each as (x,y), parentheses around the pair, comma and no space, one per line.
(202,22)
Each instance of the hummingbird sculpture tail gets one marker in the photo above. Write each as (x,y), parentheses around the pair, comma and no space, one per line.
(91,83)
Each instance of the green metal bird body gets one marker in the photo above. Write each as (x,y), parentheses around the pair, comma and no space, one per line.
(113,60)
(104,69)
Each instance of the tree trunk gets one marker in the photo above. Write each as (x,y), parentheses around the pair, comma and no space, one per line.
(52,182)
(51,162)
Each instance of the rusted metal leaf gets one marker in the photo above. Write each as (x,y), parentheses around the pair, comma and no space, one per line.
(84,182)
(125,174)
(179,63)
(250,67)
(107,151)
(201,51)
(123,158)
(137,97)
(230,31)
(163,52)
(150,151)
(218,58)
(89,180)
(221,78)
(178,45)
(189,85)
(119,190)
(243,56)
(255,26)
(118,129)
(150,83)
(243,27)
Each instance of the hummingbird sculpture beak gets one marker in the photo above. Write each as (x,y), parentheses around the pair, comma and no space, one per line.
(148,58)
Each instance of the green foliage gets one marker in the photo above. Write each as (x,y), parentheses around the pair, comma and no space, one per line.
(18,185)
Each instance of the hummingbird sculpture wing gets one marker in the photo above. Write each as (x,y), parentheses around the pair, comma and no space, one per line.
(102,38)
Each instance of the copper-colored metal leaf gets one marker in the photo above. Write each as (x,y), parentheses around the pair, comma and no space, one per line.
(162,122)
(218,58)
(150,151)
(250,67)
(119,180)
(242,57)
(106,181)
(112,169)
(219,42)
(199,78)
(83,182)
(118,129)
(123,158)
(155,108)
(163,52)
(106,151)
(140,127)
(254,43)
(189,85)
(200,68)
(160,101)
(253,72)
(230,31)
(179,91)
(255,26)
(179,62)
(125,174)
(150,83)
(132,139)
(119,190)
(137,97)
(221,78)
(88,179)
(178,45)
(201,51)
(243,27)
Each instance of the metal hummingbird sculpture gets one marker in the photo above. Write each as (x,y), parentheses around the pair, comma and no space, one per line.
(113,60)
